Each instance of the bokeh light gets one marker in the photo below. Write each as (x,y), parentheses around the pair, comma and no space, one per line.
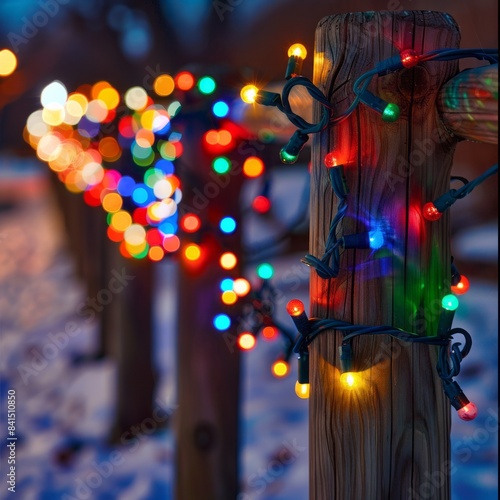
(8,62)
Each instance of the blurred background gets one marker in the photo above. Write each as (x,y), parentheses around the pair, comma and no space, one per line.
(106,388)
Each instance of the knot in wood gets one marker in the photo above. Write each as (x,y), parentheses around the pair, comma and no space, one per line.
(414,83)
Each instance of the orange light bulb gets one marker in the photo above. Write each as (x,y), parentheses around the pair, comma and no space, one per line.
(295,307)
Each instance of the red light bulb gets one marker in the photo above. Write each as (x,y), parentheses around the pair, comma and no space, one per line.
(295,307)
(468,412)
(461,287)
(409,58)
(330,160)
(430,212)
(269,332)
(261,204)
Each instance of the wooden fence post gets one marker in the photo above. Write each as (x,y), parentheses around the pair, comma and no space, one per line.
(390,438)
(208,378)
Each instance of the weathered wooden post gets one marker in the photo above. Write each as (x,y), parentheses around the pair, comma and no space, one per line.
(390,438)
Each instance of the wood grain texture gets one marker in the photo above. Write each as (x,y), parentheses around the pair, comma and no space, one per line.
(468,104)
(388,439)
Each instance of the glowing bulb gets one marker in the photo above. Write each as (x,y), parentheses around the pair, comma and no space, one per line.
(228,260)
(249,93)
(253,167)
(288,158)
(449,302)
(391,112)
(409,58)
(192,252)
(206,85)
(220,109)
(297,50)
(221,165)
(330,160)
(348,380)
(468,412)
(376,239)
(462,286)
(229,297)
(265,271)
(222,322)
(261,204)
(241,287)
(302,390)
(226,284)
(190,223)
(227,225)
(295,307)
(269,332)
(246,341)
(54,94)
(280,368)
(8,62)
(430,212)
(184,80)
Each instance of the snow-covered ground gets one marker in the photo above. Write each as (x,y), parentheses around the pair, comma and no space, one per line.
(64,411)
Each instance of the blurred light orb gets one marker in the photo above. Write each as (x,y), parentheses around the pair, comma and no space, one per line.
(8,62)
(136,98)
(164,85)
(54,94)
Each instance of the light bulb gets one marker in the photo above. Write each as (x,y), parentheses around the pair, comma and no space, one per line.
(295,307)
(391,112)
(222,322)
(290,152)
(462,286)
(270,332)
(246,341)
(192,252)
(280,368)
(409,58)
(468,412)
(261,204)
(302,390)
(241,287)
(249,93)
(349,380)
(265,271)
(376,239)
(297,50)
(430,212)
(330,160)
(449,302)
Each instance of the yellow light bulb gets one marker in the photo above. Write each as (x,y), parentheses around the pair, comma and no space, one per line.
(249,93)
(349,380)
(280,368)
(298,50)
(302,390)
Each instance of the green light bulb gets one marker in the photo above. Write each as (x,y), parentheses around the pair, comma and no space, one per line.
(221,165)
(449,302)
(206,85)
(265,271)
(287,157)
(391,112)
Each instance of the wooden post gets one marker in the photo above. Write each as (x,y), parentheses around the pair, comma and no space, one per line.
(389,438)
(206,420)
